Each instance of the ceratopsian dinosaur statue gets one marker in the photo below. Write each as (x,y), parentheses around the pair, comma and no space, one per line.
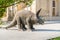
(25,17)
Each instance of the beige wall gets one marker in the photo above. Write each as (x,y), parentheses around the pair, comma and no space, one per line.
(46,6)
(42,4)
(59,7)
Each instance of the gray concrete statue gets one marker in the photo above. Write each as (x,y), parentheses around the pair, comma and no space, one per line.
(24,17)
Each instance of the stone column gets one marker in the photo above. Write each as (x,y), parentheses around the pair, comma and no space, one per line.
(10,13)
(33,7)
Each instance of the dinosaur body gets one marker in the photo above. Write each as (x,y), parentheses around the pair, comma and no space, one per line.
(25,17)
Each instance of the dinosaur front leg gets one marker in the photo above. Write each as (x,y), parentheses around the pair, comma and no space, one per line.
(23,24)
(29,23)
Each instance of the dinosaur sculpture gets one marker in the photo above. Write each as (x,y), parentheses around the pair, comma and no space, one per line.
(25,17)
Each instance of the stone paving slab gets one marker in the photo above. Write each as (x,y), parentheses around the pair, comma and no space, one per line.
(20,35)
(42,32)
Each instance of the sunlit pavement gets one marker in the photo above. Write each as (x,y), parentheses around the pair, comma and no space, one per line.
(49,30)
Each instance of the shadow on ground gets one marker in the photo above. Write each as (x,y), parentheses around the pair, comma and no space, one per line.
(52,22)
(46,30)
(39,30)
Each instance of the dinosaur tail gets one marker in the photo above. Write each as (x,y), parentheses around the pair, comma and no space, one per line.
(13,23)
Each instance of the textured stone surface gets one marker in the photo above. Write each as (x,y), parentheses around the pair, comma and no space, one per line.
(43,32)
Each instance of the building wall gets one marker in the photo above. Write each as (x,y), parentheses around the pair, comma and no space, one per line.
(47,9)
(59,7)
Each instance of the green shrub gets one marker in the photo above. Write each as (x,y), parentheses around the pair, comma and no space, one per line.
(6,3)
(57,38)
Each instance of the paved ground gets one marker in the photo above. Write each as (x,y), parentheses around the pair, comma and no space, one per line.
(49,30)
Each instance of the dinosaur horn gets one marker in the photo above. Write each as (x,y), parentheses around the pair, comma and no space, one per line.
(37,14)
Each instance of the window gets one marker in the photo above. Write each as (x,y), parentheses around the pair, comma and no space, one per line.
(53,8)
(53,4)
(53,12)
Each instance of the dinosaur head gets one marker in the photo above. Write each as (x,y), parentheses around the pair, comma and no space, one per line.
(39,19)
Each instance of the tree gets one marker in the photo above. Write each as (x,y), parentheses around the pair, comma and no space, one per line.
(6,3)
